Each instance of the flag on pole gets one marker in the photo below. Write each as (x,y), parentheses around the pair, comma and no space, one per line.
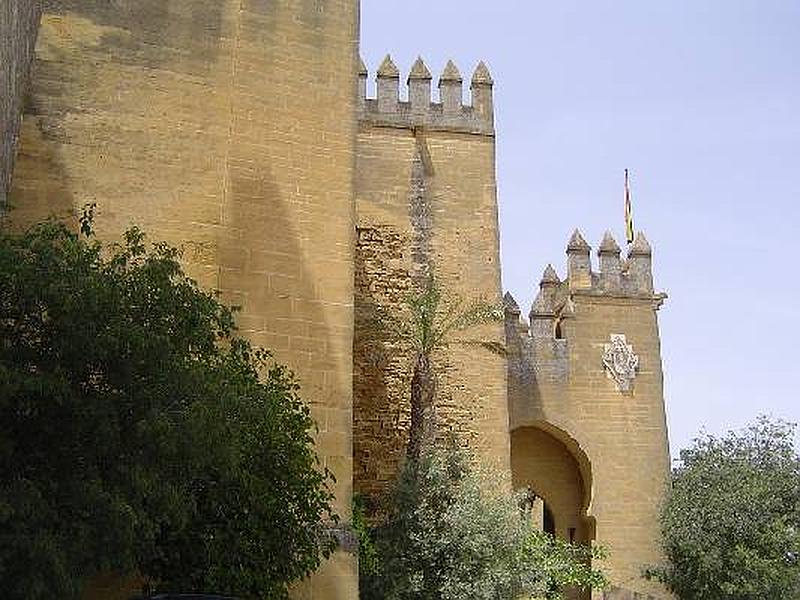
(628,211)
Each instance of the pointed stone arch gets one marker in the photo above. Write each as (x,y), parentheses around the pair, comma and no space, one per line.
(552,464)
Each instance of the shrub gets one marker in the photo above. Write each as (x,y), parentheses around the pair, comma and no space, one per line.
(454,532)
(732,521)
(139,434)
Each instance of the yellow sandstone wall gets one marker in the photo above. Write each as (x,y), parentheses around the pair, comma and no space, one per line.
(425,197)
(227,127)
(560,387)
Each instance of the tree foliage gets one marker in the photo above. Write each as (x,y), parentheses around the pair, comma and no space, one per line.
(732,521)
(454,532)
(433,320)
(139,434)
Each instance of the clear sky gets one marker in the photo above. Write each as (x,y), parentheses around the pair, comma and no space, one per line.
(700,99)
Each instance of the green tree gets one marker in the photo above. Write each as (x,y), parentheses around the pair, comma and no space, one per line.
(139,434)
(731,523)
(431,322)
(454,532)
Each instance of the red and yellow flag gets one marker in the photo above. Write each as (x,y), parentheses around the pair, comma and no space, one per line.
(628,211)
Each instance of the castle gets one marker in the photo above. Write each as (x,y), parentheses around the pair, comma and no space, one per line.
(242,131)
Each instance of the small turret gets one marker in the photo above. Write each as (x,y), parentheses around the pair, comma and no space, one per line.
(610,263)
(419,87)
(482,83)
(388,85)
(510,306)
(363,73)
(579,264)
(640,265)
(450,89)
(542,316)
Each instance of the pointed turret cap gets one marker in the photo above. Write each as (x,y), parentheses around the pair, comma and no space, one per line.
(577,243)
(482,75)
(450,73)
(362,68)
(510,304)
(549,277)
(388,68)
(640,246)
(608,245)
(419,70)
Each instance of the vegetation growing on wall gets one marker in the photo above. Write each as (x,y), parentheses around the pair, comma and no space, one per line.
(433,320)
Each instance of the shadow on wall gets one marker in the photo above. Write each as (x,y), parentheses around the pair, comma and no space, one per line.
(67,89)
(41,183)
(152,33)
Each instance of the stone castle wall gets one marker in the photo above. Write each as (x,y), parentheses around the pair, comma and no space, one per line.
(228,128)
(559,386)
(425,203)
(19,23)
(242,132)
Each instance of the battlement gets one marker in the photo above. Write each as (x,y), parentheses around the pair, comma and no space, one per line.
(628,279)
(449,114)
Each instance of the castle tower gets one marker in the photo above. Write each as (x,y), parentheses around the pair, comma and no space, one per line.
(588,428)
(191,119)
(425,204)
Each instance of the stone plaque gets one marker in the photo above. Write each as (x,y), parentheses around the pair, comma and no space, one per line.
(620,362)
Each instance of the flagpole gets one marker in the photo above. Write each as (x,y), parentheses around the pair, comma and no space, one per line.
(628,211)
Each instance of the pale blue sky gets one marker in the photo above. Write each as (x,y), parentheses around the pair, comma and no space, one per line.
(700,99)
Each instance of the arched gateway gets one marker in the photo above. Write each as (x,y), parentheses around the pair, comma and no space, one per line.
(547,462)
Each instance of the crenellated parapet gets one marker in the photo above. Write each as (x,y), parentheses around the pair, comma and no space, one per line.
(449,114)
(631,277)
(544,339)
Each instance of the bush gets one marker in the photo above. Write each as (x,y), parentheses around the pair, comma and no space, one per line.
(732,521)
(453,533)
(139,434)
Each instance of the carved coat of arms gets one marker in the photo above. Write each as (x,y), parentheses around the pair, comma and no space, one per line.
(620,362)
